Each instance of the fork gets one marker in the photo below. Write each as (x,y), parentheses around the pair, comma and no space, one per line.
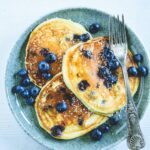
(118,43)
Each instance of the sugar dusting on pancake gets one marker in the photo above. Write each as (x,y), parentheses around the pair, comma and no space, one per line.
(74,122)
(56,36)
(94,94)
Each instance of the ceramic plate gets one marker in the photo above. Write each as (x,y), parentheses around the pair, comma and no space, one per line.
(25,115)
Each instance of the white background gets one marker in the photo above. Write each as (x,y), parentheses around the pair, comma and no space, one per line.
(17,15)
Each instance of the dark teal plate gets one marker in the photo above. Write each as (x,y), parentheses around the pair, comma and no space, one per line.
(25,115)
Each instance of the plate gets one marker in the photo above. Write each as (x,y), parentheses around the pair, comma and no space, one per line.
(25,115)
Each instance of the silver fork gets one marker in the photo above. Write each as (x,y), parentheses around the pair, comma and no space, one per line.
(118,43)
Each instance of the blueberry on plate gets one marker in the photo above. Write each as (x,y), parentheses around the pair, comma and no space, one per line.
(47,76)
(114,120)
(44,52)
(22,73)
(94,28)
(18,89)
(96,135)
(43,66)
(34,91)
(132,71)
(30,100)
(61,106)
(143,71)
(83,85)
(57,130)
(104,128)
(103,72)
(84,37)
(25,93)
(26,82)
(50,58)
(113,64)
(138,58)
(87,54)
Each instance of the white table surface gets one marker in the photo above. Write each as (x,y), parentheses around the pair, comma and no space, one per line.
(17,15)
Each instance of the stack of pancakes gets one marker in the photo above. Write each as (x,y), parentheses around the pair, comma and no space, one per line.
(86,109)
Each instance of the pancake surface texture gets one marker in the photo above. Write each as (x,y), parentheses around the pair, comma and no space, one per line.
(56,36)
(96,97)
(73,122)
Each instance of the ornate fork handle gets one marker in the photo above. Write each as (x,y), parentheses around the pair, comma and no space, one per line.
(135,139)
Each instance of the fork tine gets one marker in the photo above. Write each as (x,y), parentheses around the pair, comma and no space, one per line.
(113,30)
(110,30)
(124,30)
(119,30)
(116,30)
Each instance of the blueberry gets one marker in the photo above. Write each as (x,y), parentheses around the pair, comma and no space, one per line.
(44,52)
(83,85)
(114,120)
(26,82)
(113,64)
(34,91)
(25,93)
(106,50)
(108,54)
(70,98)
(103,72)
(18,89)
(22,73)
(87,54)
(96,135)
(57,130)
(76,37)
(143,71)
(94,28)
(43,66)
(112,79)
(107,83)
(50,58)
(138,58)
(132,71)
(80,121)
(62,89)
(30,101)
(104,128)
(61,106)
(47,76)
(84,37)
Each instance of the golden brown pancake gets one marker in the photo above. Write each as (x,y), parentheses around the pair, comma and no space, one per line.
(77,120)
(55,35)
(96,97)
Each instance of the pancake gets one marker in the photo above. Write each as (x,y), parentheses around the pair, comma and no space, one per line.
(96,97)
(72,123)
(55,36)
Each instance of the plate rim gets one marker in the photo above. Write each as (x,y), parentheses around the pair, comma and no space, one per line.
(25,33)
